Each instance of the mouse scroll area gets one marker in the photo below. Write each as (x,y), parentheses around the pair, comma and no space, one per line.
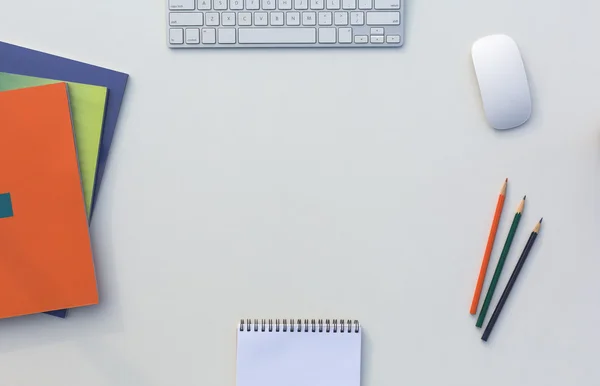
(502,80)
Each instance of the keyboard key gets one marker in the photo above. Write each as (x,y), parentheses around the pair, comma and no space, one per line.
(327,35)
(277,18)
(345,35)
(376,31)
(176,36)
(260,18)
(182,5)
(316,4)
(285,4)
(212,18)
(226,35)
(180,18)
(357,18)
(383,18)
(236,5)
(244,18)
(277,35)
(376,39)
(220,4)
(252,4)
(325,18)
(208,36)
(268,4)
(341,18)
(387,4)
(333,4)
(301,4)
(204,5)
(361,39)
(309,18)
(192,36)
(293,18)
(228,18)
(348,4)
(365,4)
(393,38)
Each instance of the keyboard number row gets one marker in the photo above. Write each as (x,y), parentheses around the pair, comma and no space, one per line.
(272,36)
(280,19)
(222,5)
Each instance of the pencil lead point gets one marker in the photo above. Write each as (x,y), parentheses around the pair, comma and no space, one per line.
(542,219)
(524,197)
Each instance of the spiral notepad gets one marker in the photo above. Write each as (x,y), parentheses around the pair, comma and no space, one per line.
(298,352)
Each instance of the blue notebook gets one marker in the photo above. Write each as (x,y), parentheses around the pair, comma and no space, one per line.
(24,61)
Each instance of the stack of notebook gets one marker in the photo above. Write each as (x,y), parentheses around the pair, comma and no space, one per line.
(57,121)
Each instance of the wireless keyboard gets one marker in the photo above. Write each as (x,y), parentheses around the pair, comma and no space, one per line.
(285,23)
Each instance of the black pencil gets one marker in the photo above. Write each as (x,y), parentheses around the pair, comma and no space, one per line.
(511,282)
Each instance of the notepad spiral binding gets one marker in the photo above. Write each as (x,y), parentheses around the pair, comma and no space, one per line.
(297,325)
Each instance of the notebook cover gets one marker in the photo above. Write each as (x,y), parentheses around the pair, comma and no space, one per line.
(281,352)
(87,109)
(25,61)
(46,255)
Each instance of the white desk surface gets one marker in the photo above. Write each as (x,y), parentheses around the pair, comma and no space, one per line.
(336,183)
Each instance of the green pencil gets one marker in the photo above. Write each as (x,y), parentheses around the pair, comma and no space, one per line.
(498,271)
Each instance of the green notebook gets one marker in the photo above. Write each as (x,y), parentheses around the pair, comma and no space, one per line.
(88,103)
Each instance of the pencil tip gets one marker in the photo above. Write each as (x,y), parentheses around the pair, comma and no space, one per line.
(524,197)
(506,180)
(542,219)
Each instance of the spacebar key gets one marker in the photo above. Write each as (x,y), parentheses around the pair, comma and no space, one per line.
(277,35)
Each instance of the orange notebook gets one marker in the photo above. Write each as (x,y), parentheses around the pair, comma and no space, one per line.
(45,250)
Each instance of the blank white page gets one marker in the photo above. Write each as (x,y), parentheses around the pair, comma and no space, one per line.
(298,358)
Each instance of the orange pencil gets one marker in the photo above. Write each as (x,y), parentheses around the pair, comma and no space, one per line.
(488,249)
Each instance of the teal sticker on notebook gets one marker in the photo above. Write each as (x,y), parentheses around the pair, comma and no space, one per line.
(6,209)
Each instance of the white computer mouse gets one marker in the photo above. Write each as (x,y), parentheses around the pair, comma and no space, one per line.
(502,81)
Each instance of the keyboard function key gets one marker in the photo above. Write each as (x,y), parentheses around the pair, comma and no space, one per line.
(186,18)
(325,18)
(309,18)
(327,35)
(176,36)
(340,18)
(192,36)
(204,5)
(226,35)
(365,4)
(182,5)
(345,35)
(392,39)
(387,4)
(348,4)
(383,18)
(377,31)
(244,18)
(212,18)
(361,39)
(357,18)
(277,18)
(376,39)
(208,36)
